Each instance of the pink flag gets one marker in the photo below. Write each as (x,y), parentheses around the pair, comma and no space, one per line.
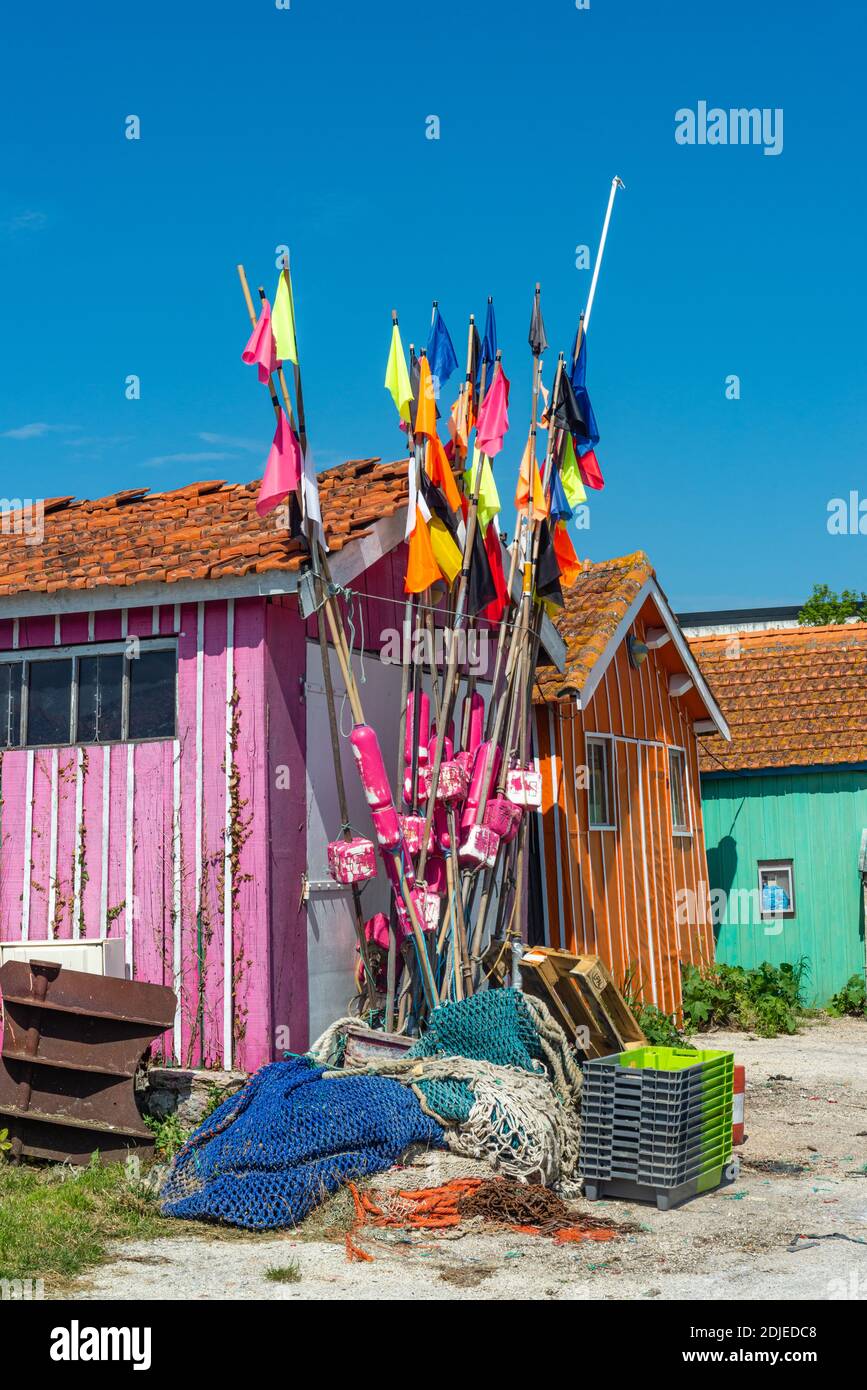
(493,418)
(283,469)
(260,348)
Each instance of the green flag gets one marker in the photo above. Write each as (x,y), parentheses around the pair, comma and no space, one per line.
(489,498)
(397,376)
(570,477)
(283,321)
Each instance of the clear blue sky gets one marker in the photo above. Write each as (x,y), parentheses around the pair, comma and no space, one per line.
(307,125)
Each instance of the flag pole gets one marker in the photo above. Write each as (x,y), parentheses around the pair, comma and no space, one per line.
(615,184)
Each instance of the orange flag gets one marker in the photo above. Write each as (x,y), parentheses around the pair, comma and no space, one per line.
(426,415)
(440,473)
(422,569)
(570,565)
(522,494)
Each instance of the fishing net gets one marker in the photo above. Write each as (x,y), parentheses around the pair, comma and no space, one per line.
(497,1071)
(289,1139)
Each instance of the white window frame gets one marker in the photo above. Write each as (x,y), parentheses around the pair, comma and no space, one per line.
(25,656)
(606,743)
(787,866)
(684,831)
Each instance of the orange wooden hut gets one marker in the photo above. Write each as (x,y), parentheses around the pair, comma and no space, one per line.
(622,868)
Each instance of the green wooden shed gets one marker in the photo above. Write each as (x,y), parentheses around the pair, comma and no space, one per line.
(785,802)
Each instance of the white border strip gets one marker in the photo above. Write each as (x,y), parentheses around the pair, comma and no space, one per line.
(228,982)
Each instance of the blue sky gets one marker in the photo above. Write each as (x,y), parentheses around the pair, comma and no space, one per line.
(261,126)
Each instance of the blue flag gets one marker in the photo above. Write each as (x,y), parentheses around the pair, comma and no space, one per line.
(489,342)
(440,353)
(560,509)
(578,377)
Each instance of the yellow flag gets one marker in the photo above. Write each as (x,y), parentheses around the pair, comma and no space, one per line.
(570,477)
(283,321)
(397,376)
(446,552)
(489,497)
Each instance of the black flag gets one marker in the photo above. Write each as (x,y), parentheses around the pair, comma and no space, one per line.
(481,589)
(536,337)
(547,568)
(566,411)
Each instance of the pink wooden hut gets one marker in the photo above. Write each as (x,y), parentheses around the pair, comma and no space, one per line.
(166,773)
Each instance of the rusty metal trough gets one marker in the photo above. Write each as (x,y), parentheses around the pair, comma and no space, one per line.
(71,1045)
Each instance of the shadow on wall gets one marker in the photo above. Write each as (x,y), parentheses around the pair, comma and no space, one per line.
(722,865)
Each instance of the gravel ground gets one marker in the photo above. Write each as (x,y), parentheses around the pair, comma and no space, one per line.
(803,1172)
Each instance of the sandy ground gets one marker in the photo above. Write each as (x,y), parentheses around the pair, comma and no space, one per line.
(803,1173)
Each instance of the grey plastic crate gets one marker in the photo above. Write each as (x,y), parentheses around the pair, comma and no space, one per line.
(627,1190)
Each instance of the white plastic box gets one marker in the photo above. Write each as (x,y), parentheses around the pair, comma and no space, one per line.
(97,956)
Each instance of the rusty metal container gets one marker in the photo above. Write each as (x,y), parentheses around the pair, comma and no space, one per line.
(72,1043)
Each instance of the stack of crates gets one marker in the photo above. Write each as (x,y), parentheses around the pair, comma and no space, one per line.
(656,1124)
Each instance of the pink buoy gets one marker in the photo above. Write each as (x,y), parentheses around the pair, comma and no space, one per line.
(474,720)
(524,787)
(474,795)
(352,861)
(480,847)
(453,782)
(371,766)
(413,830)
(376,930)
(435,874)
(503,818)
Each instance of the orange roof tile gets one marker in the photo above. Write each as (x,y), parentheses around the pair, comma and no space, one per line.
(203,530)
(793,697)
(595,605)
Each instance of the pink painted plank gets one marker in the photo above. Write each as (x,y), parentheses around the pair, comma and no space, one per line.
(285,664)
(91,807)
(73,628)
(152,944)
(213,822)
(12,851)
(140,622)
(253,1042)
(36,632)
(7,630)
(67,844)
(107,625)
(40,844)
(116,904)
(190,1051)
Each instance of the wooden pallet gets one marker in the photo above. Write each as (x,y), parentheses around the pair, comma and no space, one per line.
(583,998)
(602,996)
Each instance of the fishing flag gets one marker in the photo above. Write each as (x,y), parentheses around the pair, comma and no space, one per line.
(282,469)
(260,344)
(283,320)
(536,337)
(547,569)
(565,410)
(570,474)
(522,492)
(473,379)
(579,377)
(397,377)
(489,498)
(422,569)
(310,489)
(458,426)
(440,472)
(489,341)
(481,589)
(494,550)
(567,560)
(559,508)
(447,549)
(588,467)
(441,353)
(426,410)
(493,421)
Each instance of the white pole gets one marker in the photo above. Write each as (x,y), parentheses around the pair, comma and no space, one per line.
(615,184)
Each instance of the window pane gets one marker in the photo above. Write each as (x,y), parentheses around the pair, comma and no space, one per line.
(598,788)
(776,887)
(100,696)
(49,702)
(678,790)
(152,695)
(10,703)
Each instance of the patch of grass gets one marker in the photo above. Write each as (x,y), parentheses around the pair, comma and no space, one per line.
(765,1000)
(169,1135)
(850,1000)
(56,1221)
(332,1219)
(284,1274)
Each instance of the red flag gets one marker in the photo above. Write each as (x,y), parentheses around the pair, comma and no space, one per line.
(495,610)
(588,467)
(283,469)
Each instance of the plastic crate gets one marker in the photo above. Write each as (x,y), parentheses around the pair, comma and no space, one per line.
(625,1189)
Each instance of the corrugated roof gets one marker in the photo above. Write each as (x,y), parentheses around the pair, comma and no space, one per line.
(793,697)
(203,531)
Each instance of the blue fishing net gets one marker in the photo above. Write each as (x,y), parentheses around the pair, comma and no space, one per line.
(289,1139)
(494,1026)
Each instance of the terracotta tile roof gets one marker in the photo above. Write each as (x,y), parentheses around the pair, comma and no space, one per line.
(595,605)
(793,697)
(202,531)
